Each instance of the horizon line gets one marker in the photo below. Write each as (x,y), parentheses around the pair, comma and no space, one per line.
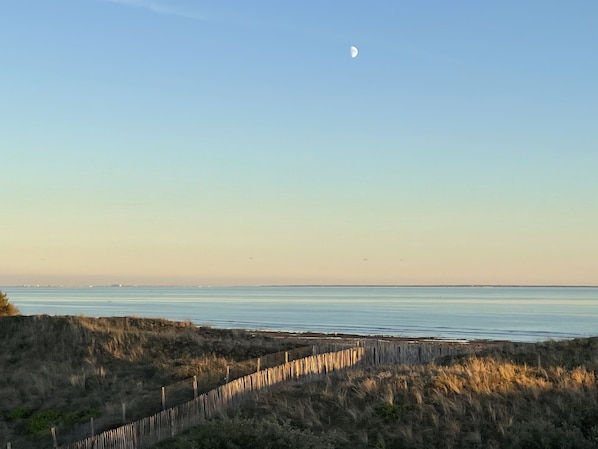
(295,285)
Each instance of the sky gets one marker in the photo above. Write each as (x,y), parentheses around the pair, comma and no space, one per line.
(179,142)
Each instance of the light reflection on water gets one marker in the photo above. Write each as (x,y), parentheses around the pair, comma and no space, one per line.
(515,313)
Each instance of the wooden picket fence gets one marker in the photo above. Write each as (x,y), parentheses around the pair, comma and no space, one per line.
(149,431)
(381,352)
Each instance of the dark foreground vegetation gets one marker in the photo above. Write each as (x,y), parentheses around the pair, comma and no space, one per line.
(62,371)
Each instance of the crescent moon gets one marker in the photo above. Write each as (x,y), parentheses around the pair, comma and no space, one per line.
(354,51)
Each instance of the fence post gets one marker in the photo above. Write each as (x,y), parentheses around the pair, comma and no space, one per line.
(8,446)
(163,399)
(227,374)
(124,410)
(54,442)
(259,363)
(93,431)
(194,386)
(286,357)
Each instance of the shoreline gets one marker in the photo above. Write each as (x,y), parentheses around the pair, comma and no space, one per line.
(302,286)
(331,336)
(341,337)
(337,336)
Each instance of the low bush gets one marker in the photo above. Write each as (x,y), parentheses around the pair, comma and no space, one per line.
(6,308)
(20,413)
(38,423)
(390,412)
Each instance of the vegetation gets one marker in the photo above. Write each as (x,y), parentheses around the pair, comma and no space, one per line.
(240,433)
(37,423)
(61,371)
(543,395)
(6,308)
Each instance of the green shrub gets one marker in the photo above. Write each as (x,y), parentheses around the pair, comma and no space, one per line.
(390,412)
(20,413)
(39,423)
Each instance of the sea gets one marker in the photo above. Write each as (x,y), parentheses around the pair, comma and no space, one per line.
(452,313)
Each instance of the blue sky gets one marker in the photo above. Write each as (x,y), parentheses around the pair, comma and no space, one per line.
(227,143)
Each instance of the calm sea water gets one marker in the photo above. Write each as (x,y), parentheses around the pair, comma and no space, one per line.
(510,313)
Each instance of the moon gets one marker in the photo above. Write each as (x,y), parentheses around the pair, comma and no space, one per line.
(354,51)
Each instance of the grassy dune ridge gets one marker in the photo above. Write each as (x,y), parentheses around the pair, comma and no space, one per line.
(65,370)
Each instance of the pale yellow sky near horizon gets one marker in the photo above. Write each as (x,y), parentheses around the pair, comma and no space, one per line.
(366,252)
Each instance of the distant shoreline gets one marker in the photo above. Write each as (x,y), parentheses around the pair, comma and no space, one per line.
(305,286)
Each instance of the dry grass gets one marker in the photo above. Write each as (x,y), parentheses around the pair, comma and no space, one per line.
(93,365)
(511,396)
(493,400)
